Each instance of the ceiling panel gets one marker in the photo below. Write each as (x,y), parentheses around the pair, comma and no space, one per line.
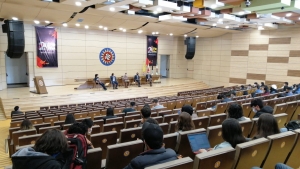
(54,15)
(87,19)
(111,23)
(64,7)
(35,3)
(28,13)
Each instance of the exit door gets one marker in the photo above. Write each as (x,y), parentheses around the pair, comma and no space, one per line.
(165,66)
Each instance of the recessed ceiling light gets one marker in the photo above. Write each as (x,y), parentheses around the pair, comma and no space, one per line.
(197,36)
(299,18)
(288,14)
(171,34)
(226,27)
(47,21)
(220,20)
(100,27)
(213,6)
(140,31)
(36,21)
(65,24)
(77,24)
(78,3)
(261,28)
(158,9)
(214,24)
(157,33)
(241,13)
(124,30)
(185,35)
(120,29)
(155,12)
(112,9)
(105,28)
(153,33)
(86,27)
(14,18)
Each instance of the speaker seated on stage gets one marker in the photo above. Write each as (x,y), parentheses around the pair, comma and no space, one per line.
(137,79)
(125,80)
(97,81)
(149,78)
(114,81)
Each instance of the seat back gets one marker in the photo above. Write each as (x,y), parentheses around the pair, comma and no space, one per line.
(133,113)
(165,112)
(164,127)
(36,121)
(297,111)
(15,124)
(170,117)
(170,140)
(246,127)
(210,103)
(114,120)
(293,159)
(200,105)
(280,146)
(214,134)
(246,109)
(180,103)
(172,127)
(195,101)
(51,119)
(291,107)
(217,119)
(281,119)
(220,158)
(26,140)
(103,140)
(92,114)
(132,123)
(118,110)
(202,113)
(183,146)
(201,122)
(280,108)
(251,153)
(188,101)
(171,105)
(120,155)
(183,163)
(80,115)
(99,123)
(220,108)
(253,131)
(159,119)
(131,134)
(38,126)
(92,158)
(113,127)
(44,129)
(132,117)
(20,133)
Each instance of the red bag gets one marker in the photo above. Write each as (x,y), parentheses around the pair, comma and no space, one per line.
(78,144)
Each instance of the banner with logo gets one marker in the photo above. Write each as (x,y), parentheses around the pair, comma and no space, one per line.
(152,48)
(46,43)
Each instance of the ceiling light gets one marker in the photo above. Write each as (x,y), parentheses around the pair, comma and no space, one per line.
(241,13)
(197,36)
(77,24)
(124,30)
(112,9)
(153,33)
(299,18)
(261,28)
(14,18)
(36,21)
(140,31)
(105,28)
(158,9)
(86,27)
(171,34)
(100,27)
(120,29)
(155,12)
(214,24)
(65,24)
(220,20)
(185,35)
(213,6)
(156,33)
(47,21)
(288,14)
(226,27)
(78,3)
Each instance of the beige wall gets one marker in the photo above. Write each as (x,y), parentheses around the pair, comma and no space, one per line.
(78,55)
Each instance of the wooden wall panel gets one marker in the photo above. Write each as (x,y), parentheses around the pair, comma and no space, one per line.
(237,80)
(258,47)
(278,60)
(295,53)
(239,53)
(280,41)
(256,76)
(295,73)
(270,82)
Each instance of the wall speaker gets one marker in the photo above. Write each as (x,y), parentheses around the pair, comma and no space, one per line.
(190,43)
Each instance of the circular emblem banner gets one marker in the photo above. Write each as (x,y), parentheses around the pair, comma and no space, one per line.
(107,56)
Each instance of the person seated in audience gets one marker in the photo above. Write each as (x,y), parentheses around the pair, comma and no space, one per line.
(297,91)
(273,89)
(262,84)
(149,78)
(277,166)
(256,84)
(125,80)
(266,126)
(189,109)
(265,91)
(156,153)
(286,85)
(249,87)
(225,97)
(232,95)
(156,104)
(129,109)
(184,123)
(232,134)
(258,108)
(98,81)
(233,90)
(245,92)
(146,113)
(26,125)
(89,123)
(16,111)
(289,91)
(137,79)
(70,119)
(258,90)
(109,114)
(235,111)
(114,81)
(80,128)
(49,152)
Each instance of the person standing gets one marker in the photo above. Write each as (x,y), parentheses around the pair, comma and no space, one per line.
(137,79)
(149,78)
(126,80)
(98,81)
(113,81)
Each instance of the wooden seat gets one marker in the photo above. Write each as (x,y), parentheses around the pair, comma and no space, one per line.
(103,140)
(220,108)
(170,117)
(195,101)
(180,103)
(202,113)
(291,107)
(114,120)
(132,123)
(183,163)
(210,104)
(246,109)
(201,106)
(92,158)
(246,126)
(280,108)
(201,122)
(99,123)
(297,111)
(51,119)
(188,101)
(133,113)
(80,115)
(172,127)
(132,117)
(214,134)
(118,110)
(216,119)
(20,133)
(253,131)
(30,139)
(120,155)
(160,109)
(131,134)
(183,146)
(93,114)
(281,119)
(293,159)
(165,112)
(251,153)
(280,146)
(44,129)
(170,140)
(113,127)
(36,121)
(171,105)
(220,158)
(15,123)
(66,126)
(164,127)
(159,119)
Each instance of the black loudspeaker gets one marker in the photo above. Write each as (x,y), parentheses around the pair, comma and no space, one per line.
(179,3)
(190,43)
(15,38)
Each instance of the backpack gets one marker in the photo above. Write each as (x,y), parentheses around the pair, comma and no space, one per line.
(293,125)
(78,144)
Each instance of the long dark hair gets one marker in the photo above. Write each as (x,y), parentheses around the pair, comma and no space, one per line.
(110,112)
(185,122)
(232,132)
(266,126)
(70,119)
(235,111)
(26,125)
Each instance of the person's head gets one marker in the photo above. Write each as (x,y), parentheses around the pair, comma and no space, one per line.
(26,125)
(233,94)
(266,89)
(78,128)
(125,74)
(232,132)
(220,96)
(137,73)
(132,104)
(286,83)
(289,89)
(185,122)
(152,135)
(262,83)
(96,75)
(188,109)
(255,84)
(267,125)
(70,119)
(112,74)
(256,105)
(227,95)
(149,120)
(235,111)
(147,105)
(110,112)
(155,101)
(258,87)
(242,87)
(51,142)
(146,112)
(16,108)
(89,123)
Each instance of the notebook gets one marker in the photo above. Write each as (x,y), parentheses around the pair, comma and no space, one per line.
(198,141)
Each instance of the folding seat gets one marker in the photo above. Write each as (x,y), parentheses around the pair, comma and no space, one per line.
(182,163)
(50,119)
(118,110)
(281,119)
(246,126)
(280,146)
(291,107)
(170,140)
(66,126)
(164,127)
(132,123)
(20,133)
(131,134)
(30,139)
(159,119)
(113,127)
(172,127)
(36,121)
(81,115)
(251,153)
(202,113)
(180,103)
(220,158)
(188,101)
(171,105)
(246,109)
(114,120)
(210,104)
(120,155)
(210,98)
(44,129)
(216,119)
(92,158)
(44,108)
(165,104)
(220,108)
(165,112)
(132,117)
(290,98)
(228,105)
(99,123)
(133,113)
(195,101)
(269,102)
(280,108)
(297,111)
(253,131)
(170,117)
(293,159)
(183,146)
(200,106)
(15,123)
(214,134)
(201,122)
(103,140)
(93,113)
(161,109)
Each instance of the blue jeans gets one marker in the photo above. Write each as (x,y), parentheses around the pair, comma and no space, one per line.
(278,166)
(115,84)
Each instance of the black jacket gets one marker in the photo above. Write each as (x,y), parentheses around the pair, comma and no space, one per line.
(126,110)
(152,157)
(265,109)
(108,117)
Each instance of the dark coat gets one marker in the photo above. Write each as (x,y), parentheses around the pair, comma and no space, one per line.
(265,109)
